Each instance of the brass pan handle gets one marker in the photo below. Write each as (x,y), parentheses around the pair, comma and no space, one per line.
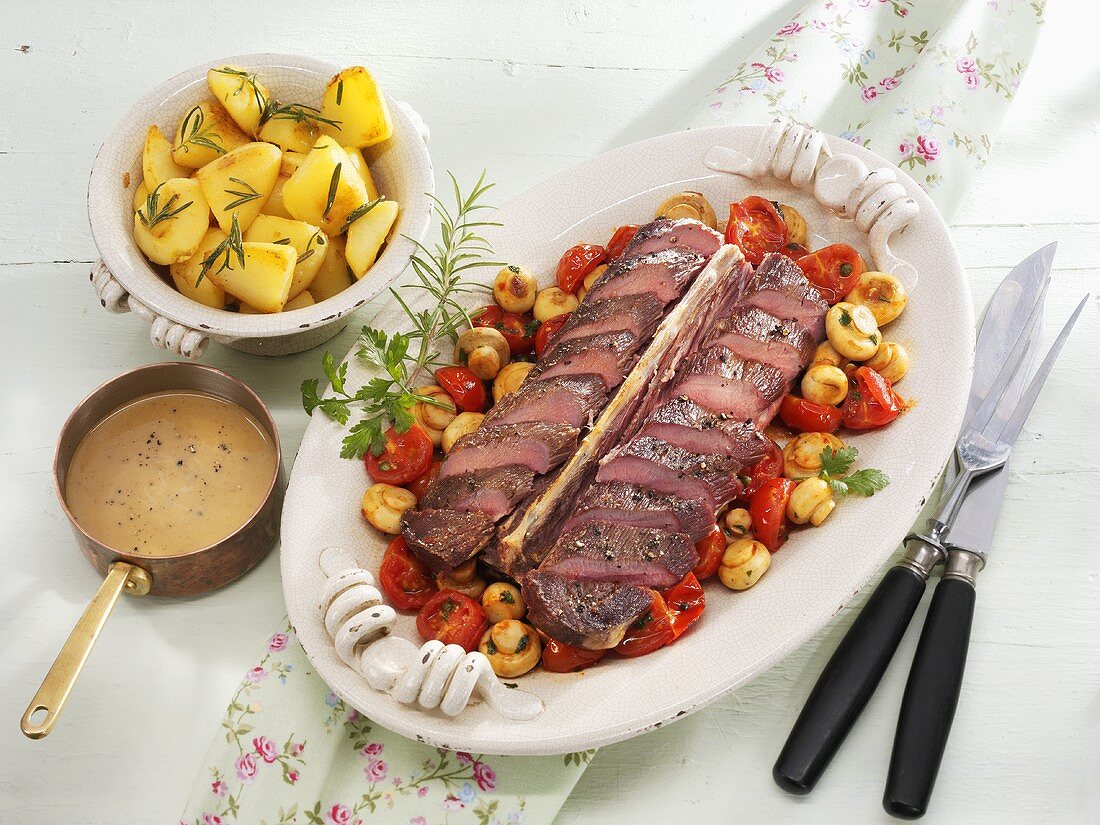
(66,667)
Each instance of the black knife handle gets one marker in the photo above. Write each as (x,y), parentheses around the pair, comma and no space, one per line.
(849,680)
(932,692)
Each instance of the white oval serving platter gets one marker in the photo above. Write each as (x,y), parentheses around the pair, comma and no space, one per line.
(741,634)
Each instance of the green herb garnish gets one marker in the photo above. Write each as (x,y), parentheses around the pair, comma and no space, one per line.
(154,212)
(298,112)
(333,186)
(243,195)
(232,246)
(401,357)
(845,318)
(359,212)
(835,466)
(193,131)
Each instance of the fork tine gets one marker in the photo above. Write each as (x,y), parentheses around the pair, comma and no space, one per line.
(993,397)
(1011,430)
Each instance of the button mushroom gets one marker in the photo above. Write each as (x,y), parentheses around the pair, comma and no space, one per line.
(512,647)
(825,354)
(797,231)
(484,350)
(463,579)
(552,302)
(743,563)
(514,289)
(688,205)
(891,361)
(738,522)
(852,330)
(810,502)
(590,281)
(384,504)
(464,424)
(825,384)
(509,378)
(802,454)
(503,601)
(436,415)
(881,293)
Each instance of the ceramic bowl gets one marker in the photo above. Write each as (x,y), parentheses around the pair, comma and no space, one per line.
(127,282)
(817,571)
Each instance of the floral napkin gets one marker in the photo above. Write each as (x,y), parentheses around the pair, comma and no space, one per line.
(925,84)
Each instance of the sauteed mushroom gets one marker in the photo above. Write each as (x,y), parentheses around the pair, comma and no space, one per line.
(484,350)
(688,205)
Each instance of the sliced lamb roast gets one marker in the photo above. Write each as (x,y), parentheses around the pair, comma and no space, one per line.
(454,532)
(617,552)
(568,386)
(589,614)
(689,446)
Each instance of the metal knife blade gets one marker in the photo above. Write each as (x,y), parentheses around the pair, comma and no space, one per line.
(977,517)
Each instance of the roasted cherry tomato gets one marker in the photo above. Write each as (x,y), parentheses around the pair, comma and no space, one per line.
(652,631)
(710,547)
(804,416)
(834,270)
(577,262)
(465,388)
(547,330)
(453,619)
(767,468)
(407,583)
(756,227)
(406,456)
(623,235)
(518,330)
(558,657)
(794,251)
(871,401)
(419,485)
(686,603)
(768,509)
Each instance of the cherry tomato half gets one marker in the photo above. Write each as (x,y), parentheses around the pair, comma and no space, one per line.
(518,330)
(794,251)
(406,582)
(547,330)
(767,468)
(833,270)
(465,388)
(804,416)
(871,401)
(710,547)
(419,485)
(652,631)
(623,235)
(406,456)
(577,262)
(686,603)
(768,509)
(558,657)
(453,619)
(756,227)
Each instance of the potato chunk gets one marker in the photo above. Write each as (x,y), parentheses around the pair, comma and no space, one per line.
(185,274)
(242,95)
(157,165)
(360,164)
(309,242)
(264,280)
(334,276)
(326,171)
(171,223)
(240,183)
(366,236)
(206,132)
(353,99)
(290,134)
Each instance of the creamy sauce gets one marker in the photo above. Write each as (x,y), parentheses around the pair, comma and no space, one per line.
(169,473)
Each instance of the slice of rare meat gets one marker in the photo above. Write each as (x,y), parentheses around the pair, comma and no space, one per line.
(683,423)
(779,288)
(454,536)
(662,275)
(754,335)
(590,614)
(606,355)
(568,399)
(637,314)
(491,491)
(536,445)
(617,552)
(681,233)
(723,383)
(619,501)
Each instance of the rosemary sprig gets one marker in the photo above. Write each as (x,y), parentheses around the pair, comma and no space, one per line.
(232,246)
(298,112)
(333,186)
(359,212)
(154,212)
(440,271)
(317,238)
(248,79)
(197,134)
(243,195)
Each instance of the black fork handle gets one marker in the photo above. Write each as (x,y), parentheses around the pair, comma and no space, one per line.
(852,674)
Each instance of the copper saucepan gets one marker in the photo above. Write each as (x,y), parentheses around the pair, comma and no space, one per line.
(183,574)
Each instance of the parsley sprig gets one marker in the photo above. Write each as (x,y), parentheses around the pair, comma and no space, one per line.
(835,465)
(399,358)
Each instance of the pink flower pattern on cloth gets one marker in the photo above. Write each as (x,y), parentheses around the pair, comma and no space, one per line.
(925,84)
(287,740)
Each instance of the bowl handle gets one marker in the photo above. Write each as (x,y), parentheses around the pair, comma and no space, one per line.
(418,122)
(164,333)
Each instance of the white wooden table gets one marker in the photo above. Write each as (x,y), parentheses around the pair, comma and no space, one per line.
(523,90)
